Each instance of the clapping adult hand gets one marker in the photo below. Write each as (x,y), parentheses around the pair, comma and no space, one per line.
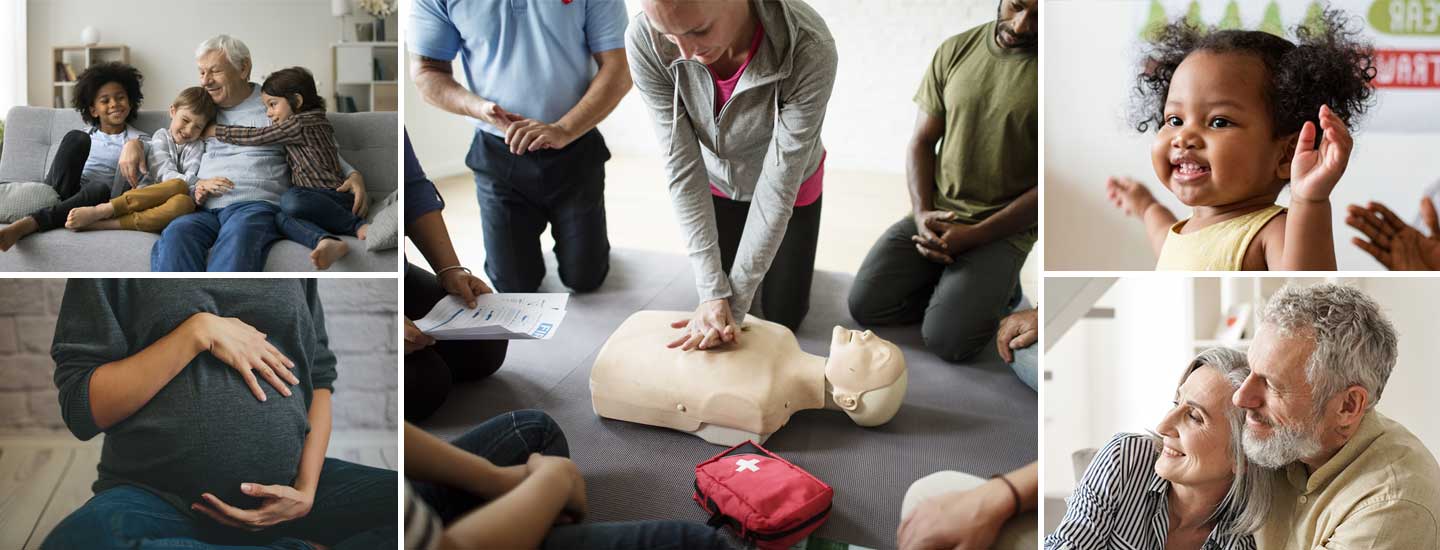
(1395,244)
(279,504)
(246,350)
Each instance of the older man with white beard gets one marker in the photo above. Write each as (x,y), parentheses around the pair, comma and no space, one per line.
(1347,476)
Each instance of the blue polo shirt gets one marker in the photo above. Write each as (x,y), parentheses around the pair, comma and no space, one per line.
(532,57)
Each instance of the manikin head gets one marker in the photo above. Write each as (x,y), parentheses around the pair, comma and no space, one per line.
(866,376)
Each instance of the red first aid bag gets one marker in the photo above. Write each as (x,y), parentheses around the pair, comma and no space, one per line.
(765,499)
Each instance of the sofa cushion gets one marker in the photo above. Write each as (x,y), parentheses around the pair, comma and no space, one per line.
(384,227)
(20,198)
(368,141)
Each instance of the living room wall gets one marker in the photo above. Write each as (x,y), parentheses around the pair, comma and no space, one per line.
(162,36)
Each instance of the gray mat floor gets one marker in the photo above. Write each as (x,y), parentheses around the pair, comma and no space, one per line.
(975,417)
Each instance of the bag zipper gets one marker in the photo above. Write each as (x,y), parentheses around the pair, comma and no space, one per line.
(735,524)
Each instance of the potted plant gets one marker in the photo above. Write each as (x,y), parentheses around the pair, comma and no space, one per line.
(379,9)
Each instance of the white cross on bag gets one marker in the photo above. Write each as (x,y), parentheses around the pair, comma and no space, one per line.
(742,465)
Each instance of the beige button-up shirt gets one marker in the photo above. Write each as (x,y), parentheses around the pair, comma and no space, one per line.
(1381,491)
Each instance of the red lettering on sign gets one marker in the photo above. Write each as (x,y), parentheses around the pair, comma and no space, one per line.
(1407,69)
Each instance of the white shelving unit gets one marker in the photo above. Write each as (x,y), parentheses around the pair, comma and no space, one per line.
(67,62)
(1211,297)
(367,73)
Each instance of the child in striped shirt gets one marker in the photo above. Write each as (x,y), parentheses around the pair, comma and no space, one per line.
(173,156)
(319,204)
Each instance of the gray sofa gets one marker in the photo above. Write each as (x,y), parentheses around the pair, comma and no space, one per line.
(367,141)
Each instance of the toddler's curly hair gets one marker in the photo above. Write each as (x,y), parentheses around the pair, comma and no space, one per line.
(1331,65)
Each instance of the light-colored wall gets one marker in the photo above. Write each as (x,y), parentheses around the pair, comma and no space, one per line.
(884,47)
(360,317)
(162,36)
(1089,61)
(1118,375)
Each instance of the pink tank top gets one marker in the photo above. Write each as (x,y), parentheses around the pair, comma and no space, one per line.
(725,87)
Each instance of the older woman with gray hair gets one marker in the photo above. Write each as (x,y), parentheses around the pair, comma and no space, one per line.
(1188,485)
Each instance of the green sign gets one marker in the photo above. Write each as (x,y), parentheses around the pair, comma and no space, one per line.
(1405,17)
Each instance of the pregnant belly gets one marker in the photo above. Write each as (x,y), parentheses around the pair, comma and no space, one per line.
(194,438)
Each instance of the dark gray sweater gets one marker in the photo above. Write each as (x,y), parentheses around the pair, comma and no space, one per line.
(204,431)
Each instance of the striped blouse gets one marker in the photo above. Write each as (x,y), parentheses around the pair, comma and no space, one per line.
(1121,503)
(422,527)
(309,142)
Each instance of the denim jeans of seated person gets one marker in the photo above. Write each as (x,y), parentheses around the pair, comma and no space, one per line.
(354,509)
(508,440)
(328,209)
(233,238)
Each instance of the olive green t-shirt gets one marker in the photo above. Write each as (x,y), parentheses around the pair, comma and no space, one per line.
(987,96)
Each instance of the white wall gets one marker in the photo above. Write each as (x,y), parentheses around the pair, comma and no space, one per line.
(1113,375)
(1119,374)
(162,36)
(12,55)
(1089,61)
(883,45)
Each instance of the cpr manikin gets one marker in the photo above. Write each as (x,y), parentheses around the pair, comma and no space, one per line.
(743,390)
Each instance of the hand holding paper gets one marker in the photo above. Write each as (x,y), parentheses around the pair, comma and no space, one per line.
(496,317)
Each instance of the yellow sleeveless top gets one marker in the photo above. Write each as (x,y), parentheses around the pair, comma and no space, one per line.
(1220,247)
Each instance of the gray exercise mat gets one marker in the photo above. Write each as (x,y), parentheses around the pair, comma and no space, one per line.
(975,417)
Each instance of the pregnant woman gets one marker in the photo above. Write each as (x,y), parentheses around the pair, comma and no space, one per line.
(214,398)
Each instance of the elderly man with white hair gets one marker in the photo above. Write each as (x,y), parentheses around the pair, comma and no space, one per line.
(1347,476)
(234,226)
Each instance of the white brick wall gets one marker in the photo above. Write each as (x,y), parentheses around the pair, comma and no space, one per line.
(360,316)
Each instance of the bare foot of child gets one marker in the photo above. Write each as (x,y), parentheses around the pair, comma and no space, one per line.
(12,233)
(327,252)
(83,216)
(360,233)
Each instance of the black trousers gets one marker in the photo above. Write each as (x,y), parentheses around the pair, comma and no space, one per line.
(784,293)
(64,177)
(520,194)
(430,372)
(959,305)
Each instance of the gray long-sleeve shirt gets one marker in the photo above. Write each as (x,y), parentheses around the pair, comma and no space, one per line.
(204,431)
(759,148)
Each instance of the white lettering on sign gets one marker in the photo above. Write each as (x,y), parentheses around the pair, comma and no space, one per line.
(1414,16)
(1407,69)
(742,464)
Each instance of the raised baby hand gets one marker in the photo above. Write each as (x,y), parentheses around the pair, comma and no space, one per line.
(1314,172)
(1129,196)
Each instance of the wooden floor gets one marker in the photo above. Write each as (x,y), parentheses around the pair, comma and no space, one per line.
(43,479)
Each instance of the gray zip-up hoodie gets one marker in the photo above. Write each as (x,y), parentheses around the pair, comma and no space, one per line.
(762,146)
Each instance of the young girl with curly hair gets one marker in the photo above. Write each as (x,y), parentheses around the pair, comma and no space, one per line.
(83,173)
(1238,116)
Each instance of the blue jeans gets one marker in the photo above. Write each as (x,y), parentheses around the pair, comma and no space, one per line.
(1026,364)
(508,440)
(233,238)
(354,508)
(326,213)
